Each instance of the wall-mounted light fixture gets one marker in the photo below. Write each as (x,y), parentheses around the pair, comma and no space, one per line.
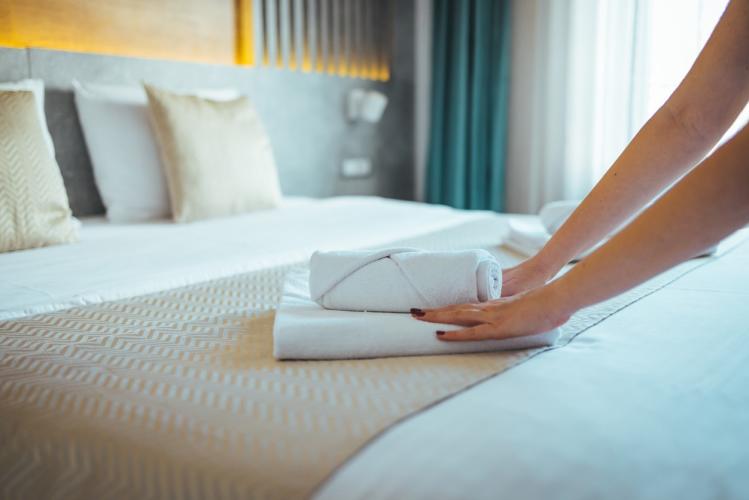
(366,105)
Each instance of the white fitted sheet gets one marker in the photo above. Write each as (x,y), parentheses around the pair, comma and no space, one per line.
(114,261)
(651,403)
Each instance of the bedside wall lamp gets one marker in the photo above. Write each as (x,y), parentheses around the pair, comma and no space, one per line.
(366,105)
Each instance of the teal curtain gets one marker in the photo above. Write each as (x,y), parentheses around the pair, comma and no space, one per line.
(470,81)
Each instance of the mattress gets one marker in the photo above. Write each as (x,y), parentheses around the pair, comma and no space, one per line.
(173,391)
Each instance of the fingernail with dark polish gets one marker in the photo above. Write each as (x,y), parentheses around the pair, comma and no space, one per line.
(417,312)
(440,333)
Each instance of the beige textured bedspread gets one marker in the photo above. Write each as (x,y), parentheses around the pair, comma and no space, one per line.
(177,395)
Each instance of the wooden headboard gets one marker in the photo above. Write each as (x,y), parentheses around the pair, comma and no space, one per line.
(349,38)
(186,30)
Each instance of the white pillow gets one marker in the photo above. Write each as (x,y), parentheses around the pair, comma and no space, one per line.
(37,87)
(124,155)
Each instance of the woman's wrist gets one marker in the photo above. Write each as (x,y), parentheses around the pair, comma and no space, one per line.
(547,263)
(558,300)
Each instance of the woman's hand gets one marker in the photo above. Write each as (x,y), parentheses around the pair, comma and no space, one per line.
(527,313)
(713,197)
(527,275)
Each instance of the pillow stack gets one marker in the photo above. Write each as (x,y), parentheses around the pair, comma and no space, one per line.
(154,154)
(190,156)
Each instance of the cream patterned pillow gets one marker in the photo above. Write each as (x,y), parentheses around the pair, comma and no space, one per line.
(37,87)
(34,208)
(217,157)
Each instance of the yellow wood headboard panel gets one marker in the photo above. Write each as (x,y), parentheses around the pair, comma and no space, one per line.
(342,37)
(191,30)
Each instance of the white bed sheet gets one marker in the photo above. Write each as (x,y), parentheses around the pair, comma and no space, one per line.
(651,403)
(114,261)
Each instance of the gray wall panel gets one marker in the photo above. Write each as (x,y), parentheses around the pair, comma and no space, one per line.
(13,65)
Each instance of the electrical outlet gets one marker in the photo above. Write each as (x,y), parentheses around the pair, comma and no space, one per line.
(356,167)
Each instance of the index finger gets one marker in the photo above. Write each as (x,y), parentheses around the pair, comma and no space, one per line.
(484,331)
(457,315)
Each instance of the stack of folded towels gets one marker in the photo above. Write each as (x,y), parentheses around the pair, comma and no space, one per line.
(355,304)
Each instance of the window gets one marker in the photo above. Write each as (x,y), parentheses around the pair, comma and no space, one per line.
(586,75)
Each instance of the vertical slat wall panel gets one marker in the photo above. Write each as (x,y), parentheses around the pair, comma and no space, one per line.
(345,23)
(351,20)
(340,43)
(278,32)
(340,37)
(357,67)
(320,32)
(304,14)
(368,37)
(386,38)
(265,16)
(291,28)
(331,43)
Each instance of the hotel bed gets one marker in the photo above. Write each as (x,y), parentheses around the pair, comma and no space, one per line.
(156,378)
(137,362)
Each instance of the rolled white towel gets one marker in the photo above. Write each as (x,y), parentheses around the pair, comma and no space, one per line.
(528,238)
(397,279)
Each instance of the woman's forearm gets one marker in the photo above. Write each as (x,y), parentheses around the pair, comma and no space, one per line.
(658,155)
(675,139)
(705,206)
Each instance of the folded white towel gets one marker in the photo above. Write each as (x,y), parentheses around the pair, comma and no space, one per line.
(527,237)
(397,279)
(304,330)
(555,213)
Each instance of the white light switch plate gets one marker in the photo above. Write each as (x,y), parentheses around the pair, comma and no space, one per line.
(356,167)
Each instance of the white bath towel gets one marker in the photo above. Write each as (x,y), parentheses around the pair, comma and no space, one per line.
(304,330)
(555,213)
(397,279)
(528,237)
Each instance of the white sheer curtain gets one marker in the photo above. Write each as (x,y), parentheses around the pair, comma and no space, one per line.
(586,75)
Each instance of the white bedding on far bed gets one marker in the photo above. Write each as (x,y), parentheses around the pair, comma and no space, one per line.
(113,261)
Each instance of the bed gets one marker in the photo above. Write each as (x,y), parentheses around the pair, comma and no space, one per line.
(137,362)
(156,379)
